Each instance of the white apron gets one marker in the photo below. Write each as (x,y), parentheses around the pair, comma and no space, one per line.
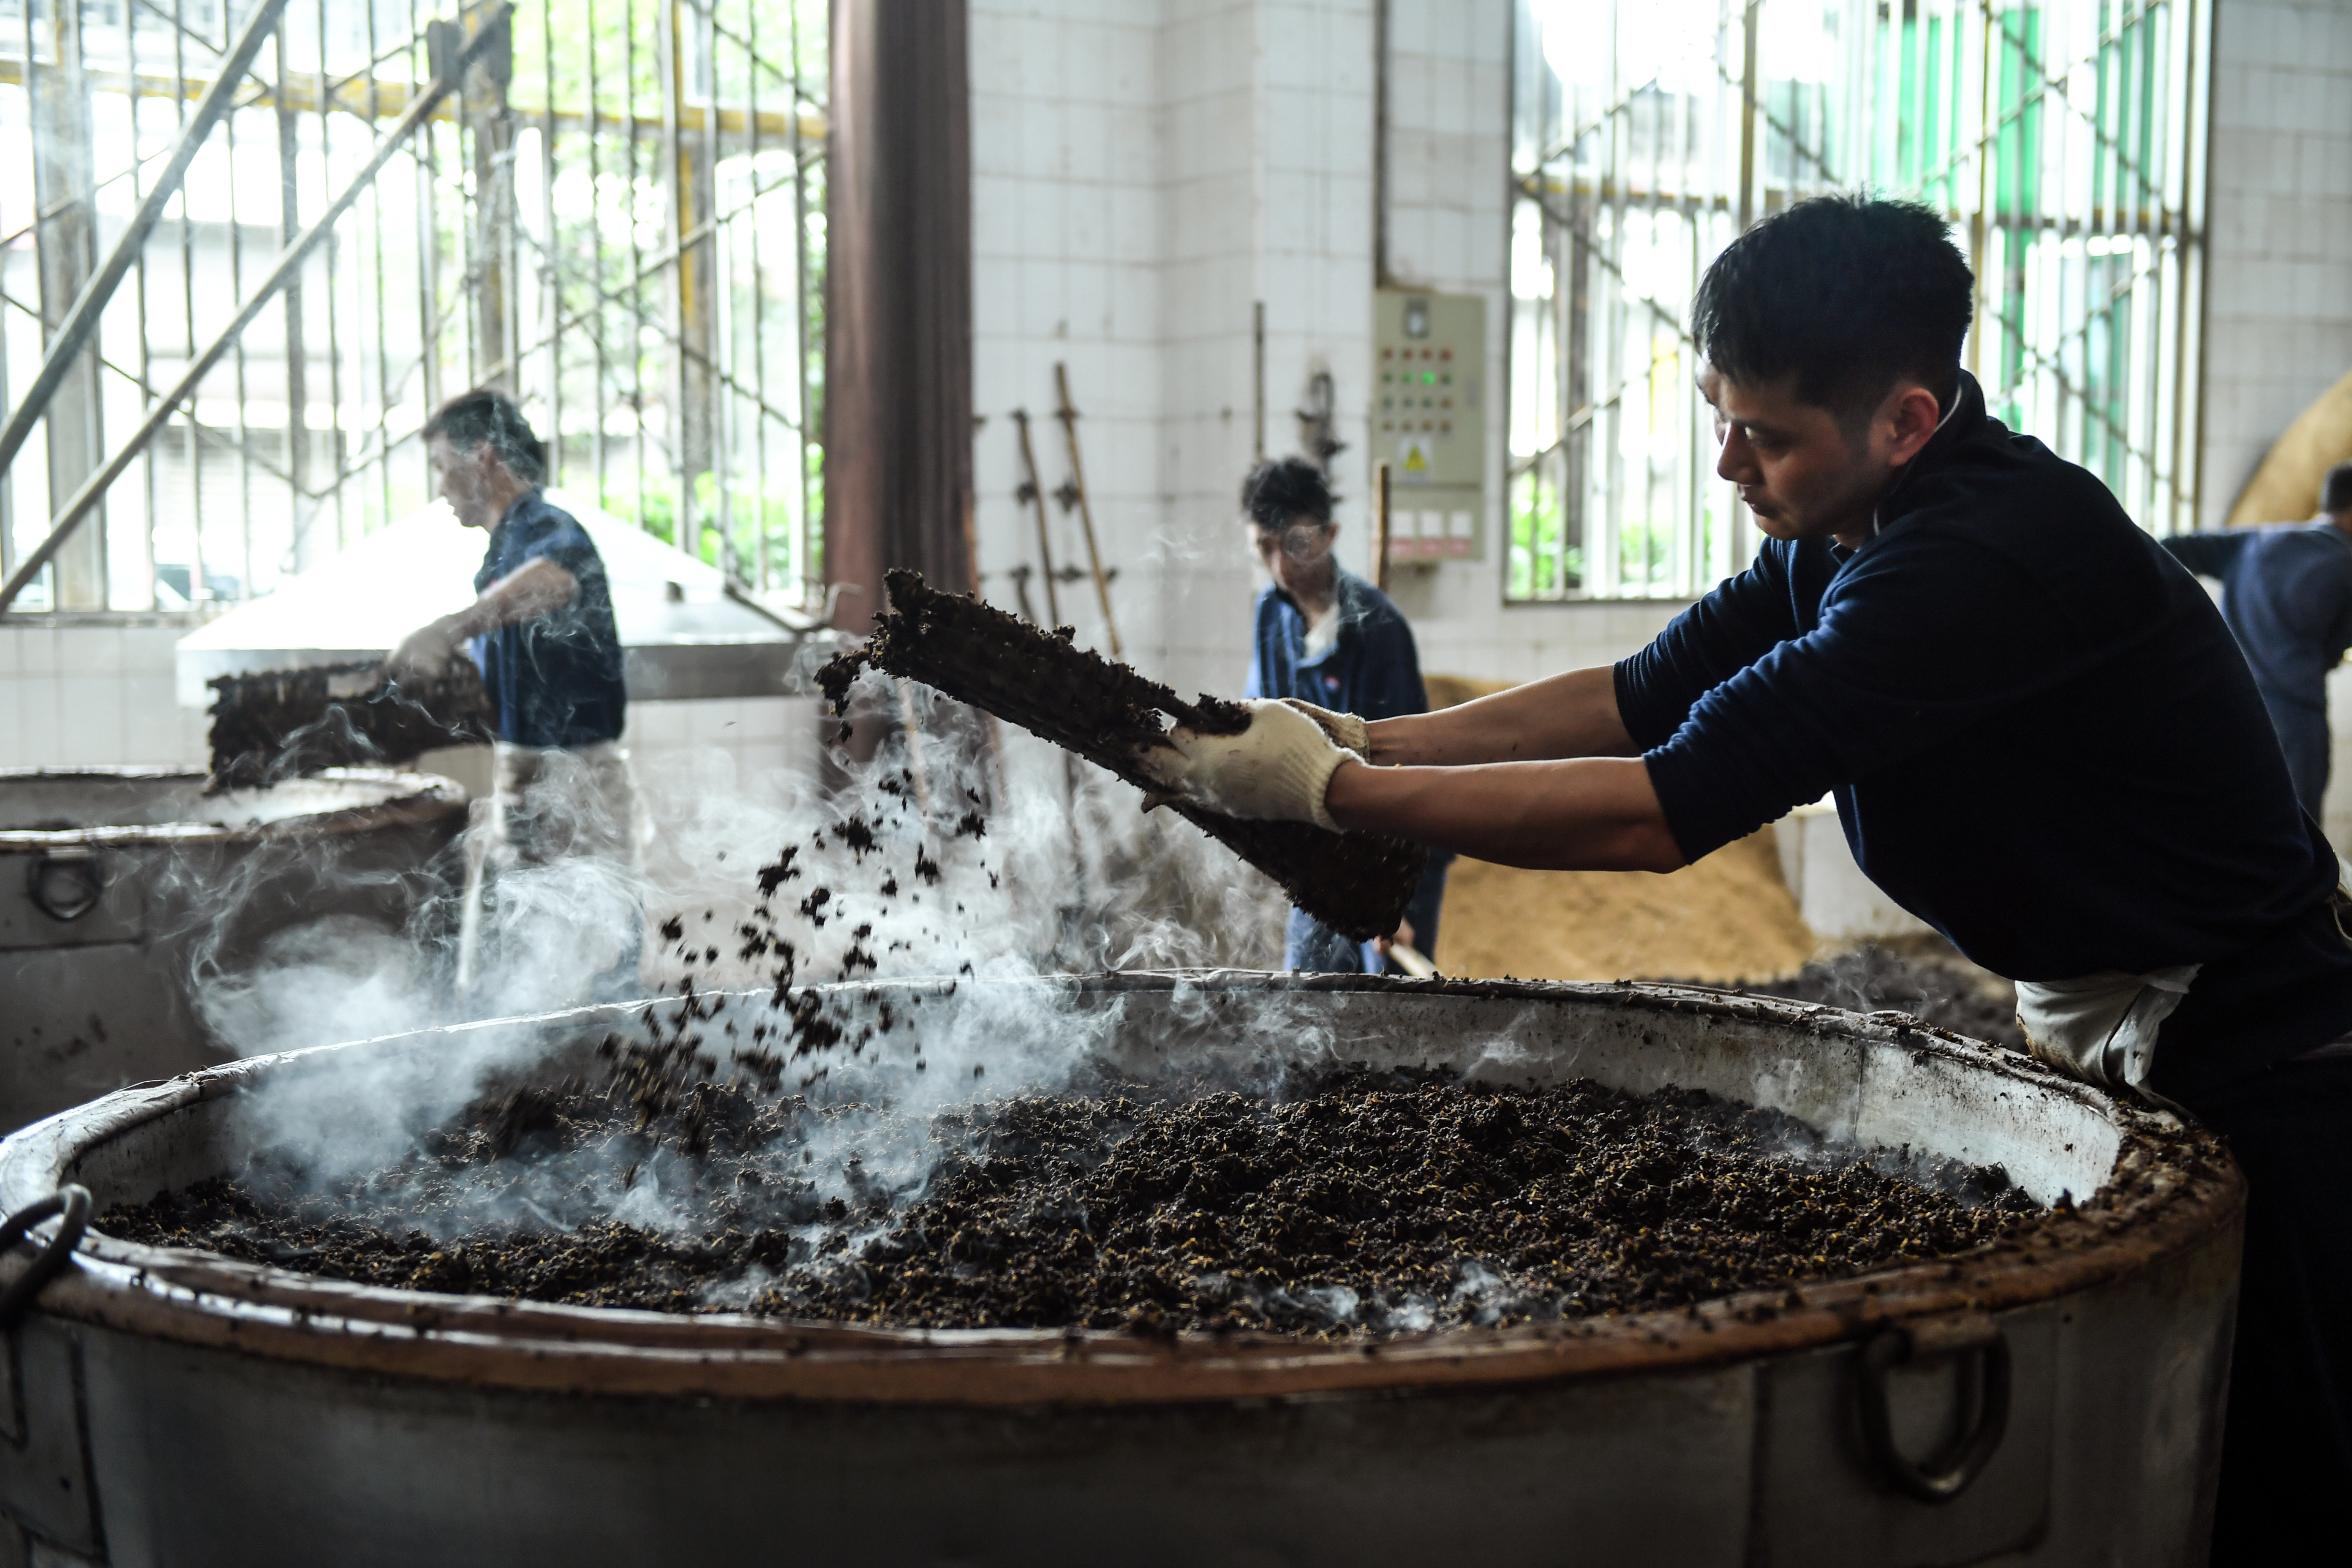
(2102,1027)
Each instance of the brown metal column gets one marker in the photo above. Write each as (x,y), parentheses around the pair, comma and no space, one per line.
(298,356)
(692,303)
(65,194)
(490,127)
(898,405)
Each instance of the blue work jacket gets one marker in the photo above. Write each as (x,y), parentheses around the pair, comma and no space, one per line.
(556,678)
(1373,670)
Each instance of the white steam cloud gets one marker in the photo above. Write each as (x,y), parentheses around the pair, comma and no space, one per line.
(970,853)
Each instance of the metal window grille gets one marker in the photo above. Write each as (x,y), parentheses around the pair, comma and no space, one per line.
(619,218)
(2065,140)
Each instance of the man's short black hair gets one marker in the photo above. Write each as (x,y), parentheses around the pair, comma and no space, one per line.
(1281,490)
(1848,294)
(485,417)
(2336,491)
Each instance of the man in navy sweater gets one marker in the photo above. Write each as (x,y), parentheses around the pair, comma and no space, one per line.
(2040,738)
(1328,639)
(2286,593)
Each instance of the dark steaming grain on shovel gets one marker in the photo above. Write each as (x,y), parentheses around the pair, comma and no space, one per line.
(1357,883)
(286,723)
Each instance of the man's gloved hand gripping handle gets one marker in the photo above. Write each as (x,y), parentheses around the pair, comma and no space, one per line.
(1346,728)
(1276,770)
(425,652)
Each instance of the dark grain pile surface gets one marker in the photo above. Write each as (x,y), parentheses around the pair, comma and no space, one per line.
(1362,1202)
(286,723)
(1356,883)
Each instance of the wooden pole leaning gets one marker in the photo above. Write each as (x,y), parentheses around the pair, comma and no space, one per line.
(1034,494)
(1069,418)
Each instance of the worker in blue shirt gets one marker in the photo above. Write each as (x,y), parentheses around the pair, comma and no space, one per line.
(2040,738)
(2286,592)
(563,809)
(1328,639)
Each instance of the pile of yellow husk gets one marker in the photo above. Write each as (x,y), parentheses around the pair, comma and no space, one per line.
(1728,917)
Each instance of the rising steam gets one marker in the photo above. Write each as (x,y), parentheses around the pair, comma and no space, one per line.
(955,852)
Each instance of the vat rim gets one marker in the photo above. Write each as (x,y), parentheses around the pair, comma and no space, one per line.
(2186,1196)
(415,797)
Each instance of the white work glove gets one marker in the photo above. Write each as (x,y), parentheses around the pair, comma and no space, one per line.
(1276,770)
(424,654)
(1345,728)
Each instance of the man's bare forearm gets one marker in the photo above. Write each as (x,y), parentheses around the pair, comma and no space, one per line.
(1594,813)
(1570,715)
(536,588)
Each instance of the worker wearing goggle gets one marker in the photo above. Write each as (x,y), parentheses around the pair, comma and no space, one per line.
(1326,637)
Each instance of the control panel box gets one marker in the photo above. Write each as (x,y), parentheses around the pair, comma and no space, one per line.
(1429,420)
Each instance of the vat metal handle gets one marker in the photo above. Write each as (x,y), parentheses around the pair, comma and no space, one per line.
(73,1202)
(67,887)
(1946,1478)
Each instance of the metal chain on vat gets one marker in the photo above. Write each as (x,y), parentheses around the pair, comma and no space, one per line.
(73,1202)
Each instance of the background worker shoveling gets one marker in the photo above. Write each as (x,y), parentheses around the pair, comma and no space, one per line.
(542,634)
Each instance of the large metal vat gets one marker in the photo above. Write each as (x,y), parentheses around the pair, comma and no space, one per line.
(177,1408)
(116,882)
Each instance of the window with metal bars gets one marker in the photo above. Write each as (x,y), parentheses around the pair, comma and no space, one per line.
(618,216)
(2063,140)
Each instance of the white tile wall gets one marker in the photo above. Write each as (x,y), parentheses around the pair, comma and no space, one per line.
(75,694)
(1231,161)
(1140,183)
(1066,224)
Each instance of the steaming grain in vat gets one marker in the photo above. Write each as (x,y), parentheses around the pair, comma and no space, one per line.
(821,1147)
